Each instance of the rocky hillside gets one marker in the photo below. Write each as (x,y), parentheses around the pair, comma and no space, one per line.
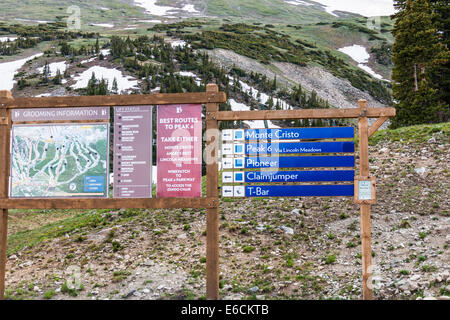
(279,248)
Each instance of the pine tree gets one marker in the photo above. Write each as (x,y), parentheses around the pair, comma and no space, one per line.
(65,48)
(92,84)
(278,106)
(270,103)
(417,53)
(97,47)
(114,88)
(102,89)
(441,75)
(45,73)
(22,83)
(58,78)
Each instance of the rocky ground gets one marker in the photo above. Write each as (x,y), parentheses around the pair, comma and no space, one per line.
(339,92)
(279,248)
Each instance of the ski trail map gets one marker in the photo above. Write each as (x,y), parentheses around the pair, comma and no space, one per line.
(59,161)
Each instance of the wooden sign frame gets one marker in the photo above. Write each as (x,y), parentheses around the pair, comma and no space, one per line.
(212,97)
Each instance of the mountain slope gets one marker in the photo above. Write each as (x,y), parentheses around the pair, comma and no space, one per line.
(126,11)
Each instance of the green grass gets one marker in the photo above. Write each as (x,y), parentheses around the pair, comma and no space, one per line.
(404,272)
(30,238)
(248,249)
(330,259)
(413,134)
(119,276)
(265,11)
(65,288)
(49,294)
(55,10)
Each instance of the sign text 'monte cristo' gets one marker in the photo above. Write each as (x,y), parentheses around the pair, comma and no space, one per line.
(179,160)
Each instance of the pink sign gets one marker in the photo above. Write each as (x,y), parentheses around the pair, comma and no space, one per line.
(179,151)
(133,152)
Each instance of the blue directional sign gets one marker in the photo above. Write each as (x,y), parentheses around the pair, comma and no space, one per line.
(300,191)
(299,176)
(299,162)
(300,133)
(275,150)
(306,147)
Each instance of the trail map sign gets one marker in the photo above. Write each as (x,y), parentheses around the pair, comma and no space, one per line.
(179,148)
(133,152)
(59,159)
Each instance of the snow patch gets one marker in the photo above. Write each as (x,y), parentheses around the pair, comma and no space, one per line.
(151,7)
(103,25)
(9,69)
(299,3)
(257,124)
(88,60)
(197,79)
(236,106)
(38,21)
(357,53)
(367,8)
(190,8)
(43,95)
(263,98)
(163,11)
(360,55)
(150,21)
(370,71)
(6,39)
(105,52)
(54,67)
(179,43)
(124,83)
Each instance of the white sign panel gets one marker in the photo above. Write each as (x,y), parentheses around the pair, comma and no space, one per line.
(364,190)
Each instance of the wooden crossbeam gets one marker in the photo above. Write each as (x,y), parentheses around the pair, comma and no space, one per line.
(87,204)
(373,128)
(116,100)
(301,114)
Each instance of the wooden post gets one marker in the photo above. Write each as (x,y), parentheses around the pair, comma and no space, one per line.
(212,191)
(365,208)
(5,123)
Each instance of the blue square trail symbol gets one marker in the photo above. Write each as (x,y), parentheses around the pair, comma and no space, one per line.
(238,163)
(238,177)
(239,148)
(238,135)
